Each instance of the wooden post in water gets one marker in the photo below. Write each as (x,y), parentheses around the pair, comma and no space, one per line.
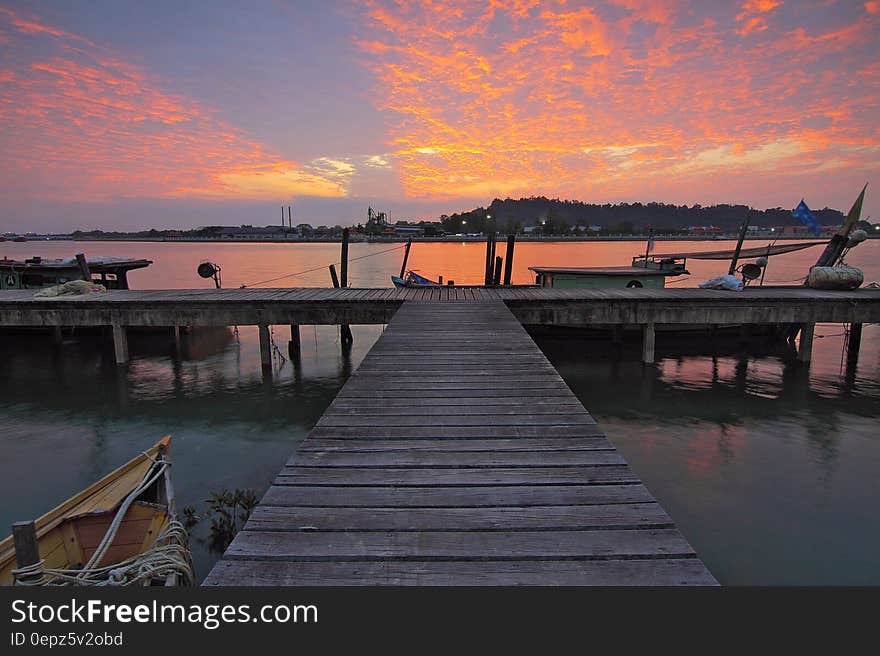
(487,269)
(120,343)
(853,344)
(648,343)
(405,257)
(496,279)
(344,267)
(294,346)
(344,329)
(84,267)
(805,346)
(57,335)
(265,347)
(508,259)
(24,539)
(492,256)
(175,338)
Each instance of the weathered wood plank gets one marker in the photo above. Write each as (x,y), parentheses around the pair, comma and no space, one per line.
(651,572)
(486,445)
(540,545)
(416,420)
(462,432)
(441,476)
(632,515)
(476,496)
(478,459)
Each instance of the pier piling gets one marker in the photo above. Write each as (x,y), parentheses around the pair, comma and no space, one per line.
(265,347)
(294,346)
(508,258)
(496,279)
(853,343)
(344,329)
(120,343)
(805,345)
(648,343)
(175,339)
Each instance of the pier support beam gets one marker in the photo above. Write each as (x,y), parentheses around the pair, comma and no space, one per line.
(175,339)
(265,347)
(57,335)
(648,343)
(853,344)
(805,345)
(120,343)
(294,346)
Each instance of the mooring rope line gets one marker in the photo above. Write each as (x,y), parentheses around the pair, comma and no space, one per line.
(320,268)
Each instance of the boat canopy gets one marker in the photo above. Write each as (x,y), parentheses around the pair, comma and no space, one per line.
(745,253)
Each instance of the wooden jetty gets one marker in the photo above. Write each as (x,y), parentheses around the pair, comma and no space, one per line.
(456,455)
(263,307)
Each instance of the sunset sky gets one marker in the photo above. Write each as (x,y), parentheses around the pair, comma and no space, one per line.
(177,114)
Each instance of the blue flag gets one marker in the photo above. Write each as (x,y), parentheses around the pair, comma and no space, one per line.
(803,214)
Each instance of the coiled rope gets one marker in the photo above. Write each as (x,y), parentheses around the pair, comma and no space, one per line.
(168,555)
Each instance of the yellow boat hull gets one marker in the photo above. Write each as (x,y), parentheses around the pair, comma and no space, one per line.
(68,535)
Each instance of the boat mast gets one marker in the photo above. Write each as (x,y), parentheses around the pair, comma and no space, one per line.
(835,247)
(739,245)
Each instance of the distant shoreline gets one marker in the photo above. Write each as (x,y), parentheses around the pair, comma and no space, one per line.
(401,240)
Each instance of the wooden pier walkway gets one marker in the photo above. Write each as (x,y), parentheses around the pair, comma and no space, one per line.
(456,455)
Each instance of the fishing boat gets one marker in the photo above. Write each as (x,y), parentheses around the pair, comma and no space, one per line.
(122,530)
(37,272)
(644,272)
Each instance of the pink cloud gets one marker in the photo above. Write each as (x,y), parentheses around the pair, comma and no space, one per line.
(80,123)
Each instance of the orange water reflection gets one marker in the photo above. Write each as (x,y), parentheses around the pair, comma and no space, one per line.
(372,265)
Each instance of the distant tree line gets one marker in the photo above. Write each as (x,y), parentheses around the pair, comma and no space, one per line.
(555,216)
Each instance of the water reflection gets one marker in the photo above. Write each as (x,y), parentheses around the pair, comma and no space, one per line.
(69,414)
(768,465)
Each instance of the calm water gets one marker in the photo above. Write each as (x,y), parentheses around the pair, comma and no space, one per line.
(770,468)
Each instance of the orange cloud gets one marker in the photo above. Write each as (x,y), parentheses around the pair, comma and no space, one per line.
(81,124)
(619,99)
(752,15)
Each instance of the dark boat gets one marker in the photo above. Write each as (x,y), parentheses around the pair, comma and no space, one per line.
(36,272)
(413,279)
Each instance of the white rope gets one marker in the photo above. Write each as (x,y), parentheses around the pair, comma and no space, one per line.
(123,508)
(168,555)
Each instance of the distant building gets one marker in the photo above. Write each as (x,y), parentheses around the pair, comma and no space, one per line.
(408,230)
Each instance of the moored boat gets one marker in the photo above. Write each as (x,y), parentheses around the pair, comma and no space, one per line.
(37,272)
(412,279)
(121,530)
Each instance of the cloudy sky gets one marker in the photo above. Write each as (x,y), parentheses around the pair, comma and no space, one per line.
(182,113)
